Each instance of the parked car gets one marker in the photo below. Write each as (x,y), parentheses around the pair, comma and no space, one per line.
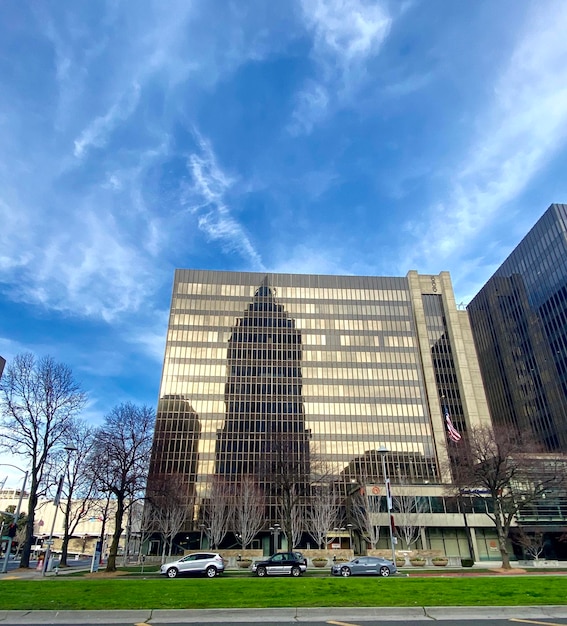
(281,563)
(208,563)
(365,566)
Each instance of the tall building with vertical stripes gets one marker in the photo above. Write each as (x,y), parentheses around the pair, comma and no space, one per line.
(519,323)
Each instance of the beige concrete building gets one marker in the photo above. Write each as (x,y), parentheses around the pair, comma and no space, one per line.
(92,527)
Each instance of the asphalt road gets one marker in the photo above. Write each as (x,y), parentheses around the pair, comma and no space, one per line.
(79,563)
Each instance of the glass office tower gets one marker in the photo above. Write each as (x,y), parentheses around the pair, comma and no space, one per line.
(519,323)
(332,368)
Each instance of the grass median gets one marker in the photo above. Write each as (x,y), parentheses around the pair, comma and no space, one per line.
(226,592)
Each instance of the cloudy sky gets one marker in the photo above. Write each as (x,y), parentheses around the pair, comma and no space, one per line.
(311,136)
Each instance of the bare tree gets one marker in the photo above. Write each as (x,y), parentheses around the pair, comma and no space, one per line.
(120,462)
(297,524)
(496,464)
(532,543)
(287,470)
(409,512)
(148,526)
(167,500)
(322,513)
(39,399)
(78,484)
(249,510)
(217,511)
(364,509)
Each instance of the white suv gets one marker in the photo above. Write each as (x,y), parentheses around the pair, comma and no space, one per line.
(208,563)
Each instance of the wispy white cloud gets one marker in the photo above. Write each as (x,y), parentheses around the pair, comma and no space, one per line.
(104,219)
(346,31)
(346,34)
(519,132)
(206,198)
(94,135)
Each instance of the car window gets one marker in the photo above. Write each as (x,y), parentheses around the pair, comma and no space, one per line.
(278,558)
(190,557)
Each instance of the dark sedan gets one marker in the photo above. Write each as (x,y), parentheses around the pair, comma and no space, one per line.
(365,566)
(282,563)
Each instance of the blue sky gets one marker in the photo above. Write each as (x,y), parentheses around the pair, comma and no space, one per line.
(312,136)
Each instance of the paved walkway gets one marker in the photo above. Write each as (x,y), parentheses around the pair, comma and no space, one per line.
(287,615)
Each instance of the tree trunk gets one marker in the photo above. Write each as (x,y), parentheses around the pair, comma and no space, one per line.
(502,532)
(64,551)
(111,565)
(26,551)
(65,544)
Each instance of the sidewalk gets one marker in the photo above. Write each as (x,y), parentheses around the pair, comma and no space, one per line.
(287,615)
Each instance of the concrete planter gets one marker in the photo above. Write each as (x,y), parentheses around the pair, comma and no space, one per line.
(438,562)
(319,562)
(417,562)
(244,563)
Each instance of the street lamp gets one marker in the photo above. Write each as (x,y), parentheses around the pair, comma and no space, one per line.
(349,526)
(16,515)
(56,501)
(275,530)
(383,451)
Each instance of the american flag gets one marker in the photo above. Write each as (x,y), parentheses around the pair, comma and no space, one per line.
(453,433)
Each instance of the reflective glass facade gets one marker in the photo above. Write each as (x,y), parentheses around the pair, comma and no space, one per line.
(338,366)
(519,322)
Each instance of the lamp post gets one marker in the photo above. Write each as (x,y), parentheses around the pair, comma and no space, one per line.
(16,514)
(349,526)
(56,502)
(275,530)
(383,451)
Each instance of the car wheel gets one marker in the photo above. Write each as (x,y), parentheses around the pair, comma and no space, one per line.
(345,571)
(261,571)
(172,572)
(211,571)
(295,571)
(384,571)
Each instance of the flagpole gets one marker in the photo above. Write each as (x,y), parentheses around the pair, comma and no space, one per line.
(383,451)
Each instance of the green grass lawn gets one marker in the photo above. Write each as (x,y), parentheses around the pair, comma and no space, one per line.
(239,592)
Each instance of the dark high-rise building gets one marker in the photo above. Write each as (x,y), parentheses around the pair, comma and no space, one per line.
(271,377)
(519,323)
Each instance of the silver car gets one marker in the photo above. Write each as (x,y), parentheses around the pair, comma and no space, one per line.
(208,563)
(365,566)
